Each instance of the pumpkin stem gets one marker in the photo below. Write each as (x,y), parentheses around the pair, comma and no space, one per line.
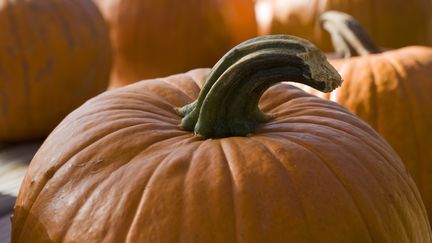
(349,38)
(228,103)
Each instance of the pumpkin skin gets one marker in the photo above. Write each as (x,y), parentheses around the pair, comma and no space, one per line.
(54,56)
(402,23)
(159,38)
(120,169)
(391,92)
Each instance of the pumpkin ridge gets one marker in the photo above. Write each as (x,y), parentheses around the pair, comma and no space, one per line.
(170,158)
(186,176)
(396,207)
(100,183)
(62,162)
(233,186)
(299,142)
(366,142)
(403,86)
(318,155)
(179,87)
(201,155)
(148,117)
(188,140)
(78,207)
(198,76)
(233,144)
(296,109)
(127,162)
(262,140)
(143,96)
(416,199)
(299,115)
(158,111)
(305,120)
(162,102)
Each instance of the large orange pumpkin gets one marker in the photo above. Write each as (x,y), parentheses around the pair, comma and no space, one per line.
(121,169)
(54,55)
(392,23)
(157,38)
(391,90)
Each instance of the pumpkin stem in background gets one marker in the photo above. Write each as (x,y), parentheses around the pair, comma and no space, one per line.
(228,103)
(349,38)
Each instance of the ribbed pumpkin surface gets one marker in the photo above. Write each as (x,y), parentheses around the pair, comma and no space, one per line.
(391,91)
(119,169)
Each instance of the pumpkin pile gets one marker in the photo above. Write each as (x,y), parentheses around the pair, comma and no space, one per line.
(284,167)
(251,150)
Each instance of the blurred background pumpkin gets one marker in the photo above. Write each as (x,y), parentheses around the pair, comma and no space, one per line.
(392,23)
(54,55)
(390,90)
(158,38)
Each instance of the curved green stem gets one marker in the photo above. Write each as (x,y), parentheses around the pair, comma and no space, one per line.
(349,38)
(228,102)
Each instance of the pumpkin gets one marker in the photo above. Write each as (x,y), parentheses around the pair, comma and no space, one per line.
(158,38)
(54,55)
(147,163)
(392,23)
(388,89)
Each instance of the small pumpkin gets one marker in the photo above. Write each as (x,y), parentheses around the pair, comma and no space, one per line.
(158,38)
(54,55)
(392,23)
(389,89)
(287,167)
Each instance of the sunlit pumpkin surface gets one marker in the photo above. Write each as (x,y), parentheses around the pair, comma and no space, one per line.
(120,169)
(392,92)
